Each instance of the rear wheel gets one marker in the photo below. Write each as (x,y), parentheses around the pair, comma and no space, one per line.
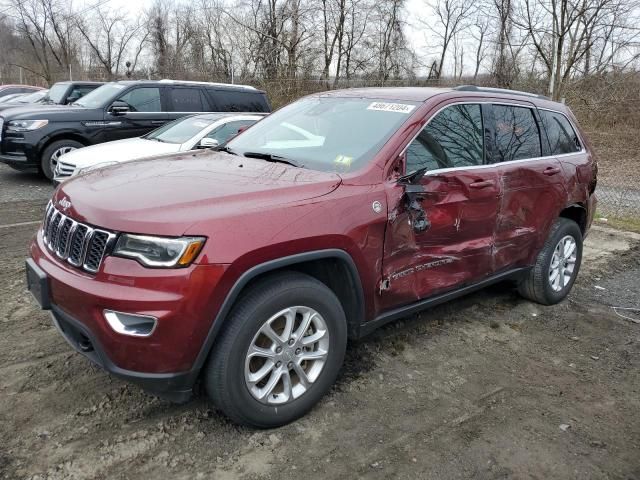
(279,353)
(557,265)
(52,154)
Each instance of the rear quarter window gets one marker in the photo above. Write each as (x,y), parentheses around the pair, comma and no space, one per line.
(562,137)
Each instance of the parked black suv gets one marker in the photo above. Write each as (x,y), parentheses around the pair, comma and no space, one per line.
(35,137)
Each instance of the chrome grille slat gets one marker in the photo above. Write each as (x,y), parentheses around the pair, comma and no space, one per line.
(79,244)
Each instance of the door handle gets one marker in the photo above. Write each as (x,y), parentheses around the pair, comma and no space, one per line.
(481,184)
(158,122)
(551,170)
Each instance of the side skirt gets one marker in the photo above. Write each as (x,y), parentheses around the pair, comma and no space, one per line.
(406,310)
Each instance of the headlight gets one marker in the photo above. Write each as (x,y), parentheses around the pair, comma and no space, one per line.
(26,125)
(96,166)
(159,251)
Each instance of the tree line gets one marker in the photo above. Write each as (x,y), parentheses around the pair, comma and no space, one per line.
(333,42)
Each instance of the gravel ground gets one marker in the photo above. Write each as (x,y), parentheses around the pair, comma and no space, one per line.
(490,386)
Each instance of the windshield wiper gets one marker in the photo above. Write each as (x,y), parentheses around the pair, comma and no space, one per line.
(224,149)
(269,157)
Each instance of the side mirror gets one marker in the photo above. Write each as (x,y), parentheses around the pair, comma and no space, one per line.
(208,143)
(72,99)
(119,108)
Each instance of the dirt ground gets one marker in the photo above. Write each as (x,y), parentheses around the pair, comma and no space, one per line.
(490,386)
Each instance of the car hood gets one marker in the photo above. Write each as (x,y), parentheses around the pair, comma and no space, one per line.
(119,151)
(166,196)
(51,112)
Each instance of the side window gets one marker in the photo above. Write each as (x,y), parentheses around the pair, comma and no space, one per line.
(186,100)
(238,101)
(224,132)
(144,99)
(562,136)
(517,135)
(82,90)
(453,138)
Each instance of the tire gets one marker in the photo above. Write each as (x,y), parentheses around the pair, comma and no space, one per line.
(51,154)
(226,376)
(540,284)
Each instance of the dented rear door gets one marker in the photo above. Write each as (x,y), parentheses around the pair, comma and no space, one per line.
(532,184)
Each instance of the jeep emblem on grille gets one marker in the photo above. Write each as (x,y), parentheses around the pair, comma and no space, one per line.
(64,203)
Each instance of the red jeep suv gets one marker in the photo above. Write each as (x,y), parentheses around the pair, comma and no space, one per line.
(249,267)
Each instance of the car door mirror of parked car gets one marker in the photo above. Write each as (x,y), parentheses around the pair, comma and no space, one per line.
(208,143)
(72,99)
(119,107)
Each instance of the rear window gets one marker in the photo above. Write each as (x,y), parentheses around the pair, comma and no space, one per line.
(239,101)
(517,136)
(187,100)
(562,137)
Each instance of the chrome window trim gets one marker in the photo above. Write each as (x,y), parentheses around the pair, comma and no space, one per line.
(489,165)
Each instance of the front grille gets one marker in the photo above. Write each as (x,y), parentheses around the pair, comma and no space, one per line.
(64,169)
(79,244)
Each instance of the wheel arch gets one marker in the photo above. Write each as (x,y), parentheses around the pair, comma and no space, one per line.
(332,267)
(62,136)
(578,213)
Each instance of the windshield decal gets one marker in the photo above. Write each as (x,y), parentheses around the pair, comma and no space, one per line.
(391,107)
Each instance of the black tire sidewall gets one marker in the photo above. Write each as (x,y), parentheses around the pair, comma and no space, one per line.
(565,227)
(262,415)
(45,164)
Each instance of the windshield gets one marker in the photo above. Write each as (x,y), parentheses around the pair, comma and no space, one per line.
(56,93)
(99,97)
(325,133)
(180,130)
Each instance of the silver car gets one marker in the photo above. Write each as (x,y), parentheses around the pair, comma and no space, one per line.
(187,133)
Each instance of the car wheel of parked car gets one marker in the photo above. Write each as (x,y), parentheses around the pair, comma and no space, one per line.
(557,265)
(279,352)
(53,152)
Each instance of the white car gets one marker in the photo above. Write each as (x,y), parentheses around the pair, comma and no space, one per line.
(187,133)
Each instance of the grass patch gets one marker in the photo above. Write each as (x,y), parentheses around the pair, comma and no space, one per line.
(631,224)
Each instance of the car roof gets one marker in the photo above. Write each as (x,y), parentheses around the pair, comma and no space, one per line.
(11,85)
(411,94)
(185,83)
(422,94)
(84,82)
(225,115)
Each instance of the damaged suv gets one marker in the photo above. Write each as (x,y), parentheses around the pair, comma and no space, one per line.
(248,268)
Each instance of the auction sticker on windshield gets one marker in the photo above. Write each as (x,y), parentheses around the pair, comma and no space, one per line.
(391,107)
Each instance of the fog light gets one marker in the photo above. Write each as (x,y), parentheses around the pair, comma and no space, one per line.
(130,324)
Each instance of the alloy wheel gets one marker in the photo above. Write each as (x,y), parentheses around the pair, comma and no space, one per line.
(286,355)
(563,263)
(55,156)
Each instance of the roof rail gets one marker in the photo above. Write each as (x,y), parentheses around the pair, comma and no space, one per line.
(475,88)
(168,80)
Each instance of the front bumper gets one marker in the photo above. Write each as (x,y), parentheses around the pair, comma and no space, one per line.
(183,300)
(176,387)
(19,162)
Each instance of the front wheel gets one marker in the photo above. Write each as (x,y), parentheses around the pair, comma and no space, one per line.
(557,265)
(52,154)
(279,352)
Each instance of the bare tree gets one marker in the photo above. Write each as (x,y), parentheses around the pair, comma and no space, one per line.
(451,17)
(109,35)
